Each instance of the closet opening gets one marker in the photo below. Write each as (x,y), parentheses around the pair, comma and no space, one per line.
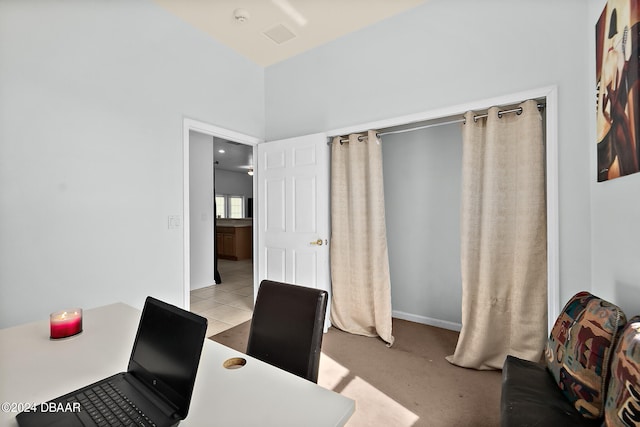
(422,157)
(422,165)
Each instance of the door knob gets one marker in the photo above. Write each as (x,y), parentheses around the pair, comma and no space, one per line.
(317,242)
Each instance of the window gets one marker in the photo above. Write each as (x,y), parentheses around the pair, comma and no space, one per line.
(229,206)
(236,207)
(221,206)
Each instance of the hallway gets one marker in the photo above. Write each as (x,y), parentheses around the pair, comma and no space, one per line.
(229,303)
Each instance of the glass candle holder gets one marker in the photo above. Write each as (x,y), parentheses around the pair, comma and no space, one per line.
(65,323)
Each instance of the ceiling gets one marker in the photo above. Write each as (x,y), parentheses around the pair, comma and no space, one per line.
(269,31)
(274,30)
(234,157)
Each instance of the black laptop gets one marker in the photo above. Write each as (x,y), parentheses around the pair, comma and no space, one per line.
(156,389)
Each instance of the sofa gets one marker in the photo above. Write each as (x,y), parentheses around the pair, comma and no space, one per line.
(589,375)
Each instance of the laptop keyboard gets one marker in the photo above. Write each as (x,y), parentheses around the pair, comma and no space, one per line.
(107,406)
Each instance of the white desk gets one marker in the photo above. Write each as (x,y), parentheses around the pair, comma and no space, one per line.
(34,368)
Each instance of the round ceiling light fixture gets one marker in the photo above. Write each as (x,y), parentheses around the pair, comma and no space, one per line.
(241,16)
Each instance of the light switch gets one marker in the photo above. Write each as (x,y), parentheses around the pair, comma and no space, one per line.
(175,221)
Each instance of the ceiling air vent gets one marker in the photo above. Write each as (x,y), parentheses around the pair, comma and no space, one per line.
(279,34)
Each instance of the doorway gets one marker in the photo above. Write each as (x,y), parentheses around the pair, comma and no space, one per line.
(218,168)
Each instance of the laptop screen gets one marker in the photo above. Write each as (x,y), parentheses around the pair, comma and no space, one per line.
(167,350)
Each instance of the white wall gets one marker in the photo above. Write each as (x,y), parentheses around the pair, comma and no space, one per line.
(234,184)
(446,53)
(93,97)
(422,180)
(201,236)
(615,212)
(93,93)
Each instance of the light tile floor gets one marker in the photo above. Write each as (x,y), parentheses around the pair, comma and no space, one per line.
(229,303)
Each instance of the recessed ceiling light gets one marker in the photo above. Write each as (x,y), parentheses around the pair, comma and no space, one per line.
(221,151)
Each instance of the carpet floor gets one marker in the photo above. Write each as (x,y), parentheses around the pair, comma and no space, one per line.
(408,385)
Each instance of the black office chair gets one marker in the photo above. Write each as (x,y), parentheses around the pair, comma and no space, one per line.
(287,327)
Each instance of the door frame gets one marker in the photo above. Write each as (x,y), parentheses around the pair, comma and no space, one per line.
(218,132)
(550,94)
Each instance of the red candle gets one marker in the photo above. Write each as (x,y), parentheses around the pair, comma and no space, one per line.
(65,323)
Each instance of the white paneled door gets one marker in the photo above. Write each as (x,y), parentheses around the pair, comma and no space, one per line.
(293,222)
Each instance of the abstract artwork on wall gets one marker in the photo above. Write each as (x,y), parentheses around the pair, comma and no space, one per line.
(618,89)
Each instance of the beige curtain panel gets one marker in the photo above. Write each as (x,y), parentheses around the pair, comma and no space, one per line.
(503,232)
(361,288)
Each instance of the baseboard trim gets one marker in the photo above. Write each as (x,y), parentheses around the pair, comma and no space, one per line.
(444,324)
(202,286)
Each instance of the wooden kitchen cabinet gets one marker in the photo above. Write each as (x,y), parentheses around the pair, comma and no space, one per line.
(234,243)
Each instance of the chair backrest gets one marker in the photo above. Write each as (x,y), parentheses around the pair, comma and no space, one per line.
(287,327)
